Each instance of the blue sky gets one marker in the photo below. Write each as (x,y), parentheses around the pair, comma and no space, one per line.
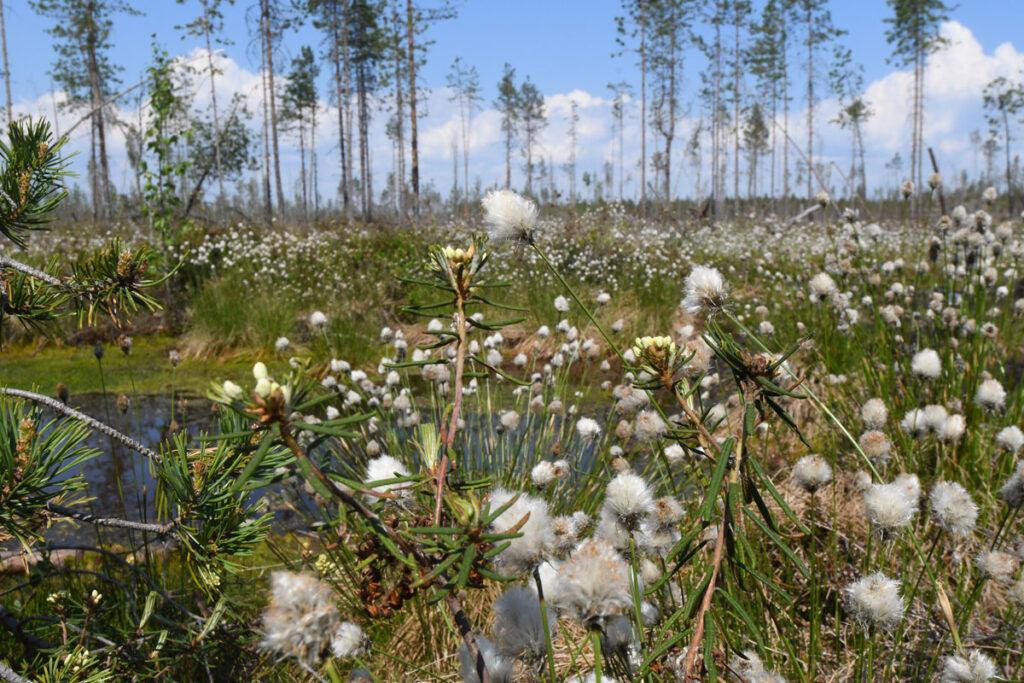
(565,47)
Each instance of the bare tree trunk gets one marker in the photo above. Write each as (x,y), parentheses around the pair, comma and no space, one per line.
(348,110)
(399,130)
(1009,177)
(643,108)
(312,162)
(810,102)
(302,171)
(716,122)
(7,68)
(97,101)
(774,141)
(269,45)
(267,205)
(340,98)
(414,139)
(736,114)
(621,121)
(508,158)
(213,102)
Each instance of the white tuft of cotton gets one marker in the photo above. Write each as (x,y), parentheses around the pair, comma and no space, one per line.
(812,472)
(705,288)
(875,601)
(976,667)
(383,468)
(926,364)
(991,395)
(500,669)
(889,507)
(509,216)
(526,551)
(953,508)
(518,628)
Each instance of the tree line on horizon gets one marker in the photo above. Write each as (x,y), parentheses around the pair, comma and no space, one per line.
(760,64)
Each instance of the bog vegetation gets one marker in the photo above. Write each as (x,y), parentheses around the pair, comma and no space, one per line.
(586,446)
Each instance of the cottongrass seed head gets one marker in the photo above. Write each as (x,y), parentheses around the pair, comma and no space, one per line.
(812,472)
(349,641)
(874,413)
(890,507)
(926,364)
(1013,490)
(953,508)
(499,668)
(300,618)
(991,395)
(593,584)
(750,669)
(650,426)
(509,216)
(875,601)
(518,629)
(629,498)
(383,468)
(974,668)
(996,565)
(525,551)
(705,288)
(1010,439)
(588,428)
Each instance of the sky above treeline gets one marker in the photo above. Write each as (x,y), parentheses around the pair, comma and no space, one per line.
(567,49)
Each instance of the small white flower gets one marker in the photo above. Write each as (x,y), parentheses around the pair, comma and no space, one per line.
(282,344)
(500,669)
(649,425)
(628,498)
(561,304)
(593,584)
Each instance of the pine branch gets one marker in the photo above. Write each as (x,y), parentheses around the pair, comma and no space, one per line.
(56,405)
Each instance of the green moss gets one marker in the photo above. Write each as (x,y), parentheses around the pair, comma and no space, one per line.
(147,364)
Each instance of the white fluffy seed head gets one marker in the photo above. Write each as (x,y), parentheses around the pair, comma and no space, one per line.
(823,286)
(889,507)
(876,446)
(974,668)
(593,584)
(705,288)
(348,640)
(518,629)
(926,364)
(952,429)
(953,508)
(628,498)
(383,468)
(996,565)
(812,472)
(650,426)
(875,601)
(991,395)
(588,428)
(509,216)
(1010,439)
(525,551)
(300,618)
(499,668)
(1013,490)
